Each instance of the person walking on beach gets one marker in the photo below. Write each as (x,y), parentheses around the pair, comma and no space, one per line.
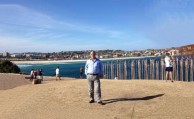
(169,68)
(81,72)
(94,71)
(58,74)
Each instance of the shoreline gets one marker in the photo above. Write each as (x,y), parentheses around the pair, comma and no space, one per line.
(66,61)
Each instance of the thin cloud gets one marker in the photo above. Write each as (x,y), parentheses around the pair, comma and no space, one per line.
(26,29)
(32,21)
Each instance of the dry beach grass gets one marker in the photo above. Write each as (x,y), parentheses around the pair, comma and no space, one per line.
(68,99)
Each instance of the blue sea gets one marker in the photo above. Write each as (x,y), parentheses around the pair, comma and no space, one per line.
(70,69)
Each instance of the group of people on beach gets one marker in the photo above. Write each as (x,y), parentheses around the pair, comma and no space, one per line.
(36,74)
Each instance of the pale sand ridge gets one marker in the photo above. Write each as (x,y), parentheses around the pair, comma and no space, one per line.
(67,61)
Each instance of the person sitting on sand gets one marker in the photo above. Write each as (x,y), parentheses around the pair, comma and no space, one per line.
(58,74)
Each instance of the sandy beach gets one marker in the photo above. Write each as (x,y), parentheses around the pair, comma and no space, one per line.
(66,61)
(68,99)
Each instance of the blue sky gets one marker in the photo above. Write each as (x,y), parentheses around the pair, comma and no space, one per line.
(63,25)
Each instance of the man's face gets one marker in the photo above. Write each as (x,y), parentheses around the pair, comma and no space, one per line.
(92,55)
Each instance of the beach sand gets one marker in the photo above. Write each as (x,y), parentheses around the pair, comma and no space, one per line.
(124,99)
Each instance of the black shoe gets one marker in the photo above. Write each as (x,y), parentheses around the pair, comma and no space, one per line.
(91,101)
(100,103)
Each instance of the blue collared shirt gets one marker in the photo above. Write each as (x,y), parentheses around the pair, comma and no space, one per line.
(93,67)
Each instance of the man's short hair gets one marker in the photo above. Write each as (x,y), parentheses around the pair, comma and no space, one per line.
(168,54)
(93,51)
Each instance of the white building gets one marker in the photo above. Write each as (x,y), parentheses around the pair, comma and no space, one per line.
(1,54)
(174,52)
(5,54)
(17,55)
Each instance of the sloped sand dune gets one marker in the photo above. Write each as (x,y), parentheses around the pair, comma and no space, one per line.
(68,99)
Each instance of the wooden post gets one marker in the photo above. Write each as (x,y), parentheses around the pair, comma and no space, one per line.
(181,70)
(152,69)
(162,69)
(153,73)
(177,69)
(125,69)
(191,70)
(112,71)
(146,69)
(107,70)
(157,70)
(107,66)
(174,70)
(118,70)
(104,65)
(132,70)
(121,70)
(186,70)
(143,71)
(139,69)
(104,69)
(148,74)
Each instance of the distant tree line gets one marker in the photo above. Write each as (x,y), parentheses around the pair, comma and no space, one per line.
(8,67)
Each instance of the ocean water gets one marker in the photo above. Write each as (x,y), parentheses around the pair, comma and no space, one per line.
(66,69)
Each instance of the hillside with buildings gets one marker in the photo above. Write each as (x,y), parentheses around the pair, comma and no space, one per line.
(77,55)
(186,50)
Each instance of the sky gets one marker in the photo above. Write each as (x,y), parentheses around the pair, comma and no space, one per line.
(70,25)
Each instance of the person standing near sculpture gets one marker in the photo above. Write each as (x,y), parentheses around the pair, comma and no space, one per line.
(169,67)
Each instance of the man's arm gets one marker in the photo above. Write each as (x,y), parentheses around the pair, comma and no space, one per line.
(101,70)
(86,68)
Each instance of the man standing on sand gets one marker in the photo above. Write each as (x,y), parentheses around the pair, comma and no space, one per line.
(58,73)
(94,71)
